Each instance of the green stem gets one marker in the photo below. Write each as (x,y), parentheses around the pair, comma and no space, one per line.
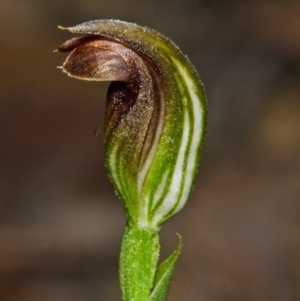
(138,262)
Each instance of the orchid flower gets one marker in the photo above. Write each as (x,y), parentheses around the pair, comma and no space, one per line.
(155,124)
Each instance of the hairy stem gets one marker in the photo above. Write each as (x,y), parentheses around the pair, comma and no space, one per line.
(138,261)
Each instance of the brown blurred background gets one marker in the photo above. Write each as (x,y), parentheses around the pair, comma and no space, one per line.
(60,221)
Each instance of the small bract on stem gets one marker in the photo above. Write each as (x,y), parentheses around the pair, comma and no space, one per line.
(155,123)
